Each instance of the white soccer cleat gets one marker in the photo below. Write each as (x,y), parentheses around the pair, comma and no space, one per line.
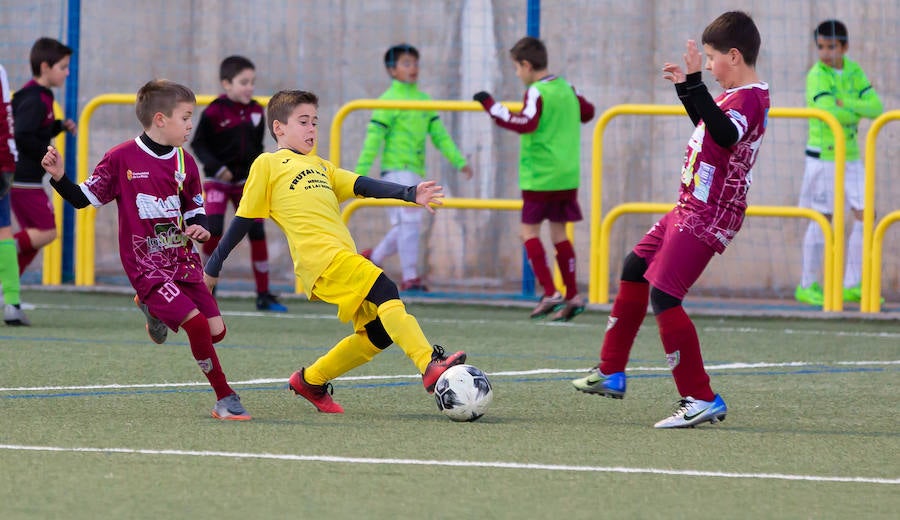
(690,412)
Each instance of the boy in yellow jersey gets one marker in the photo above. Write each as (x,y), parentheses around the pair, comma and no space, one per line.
(301,192)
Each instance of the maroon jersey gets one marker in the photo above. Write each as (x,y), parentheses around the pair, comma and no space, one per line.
(36,126)
(715,180)
(154,198)
(229,134)
(8,152)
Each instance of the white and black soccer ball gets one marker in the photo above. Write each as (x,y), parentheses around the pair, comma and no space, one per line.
(463,393)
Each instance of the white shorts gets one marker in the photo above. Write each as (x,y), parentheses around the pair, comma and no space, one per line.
(818,185)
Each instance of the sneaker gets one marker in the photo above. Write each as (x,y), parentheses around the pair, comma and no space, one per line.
(413,285)
(811,295)
(14,316)
(318,395)
(439,364)
(268,302)
(547,305)
(568,310)
(156,329)
(597,383)
(690,412)
(230,409)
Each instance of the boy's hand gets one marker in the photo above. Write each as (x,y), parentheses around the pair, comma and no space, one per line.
(6,179)
(467,171)
(693,61)
(429,192)
(197,232)
(673,73)
(210,281)
(52,163)
(484,98)
(70,126)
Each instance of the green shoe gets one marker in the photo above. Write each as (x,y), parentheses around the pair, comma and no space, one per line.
(811,295)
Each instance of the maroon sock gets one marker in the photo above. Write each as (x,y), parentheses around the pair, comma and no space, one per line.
(538,259)
(625,318)
(197,329)
(210,245)
(565,259)
(259,258)
(26,253)
(679,339)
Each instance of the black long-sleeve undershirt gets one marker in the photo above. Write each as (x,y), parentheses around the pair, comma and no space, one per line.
(700,105)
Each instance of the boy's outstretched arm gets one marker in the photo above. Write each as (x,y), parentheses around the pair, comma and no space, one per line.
(424,193)
(236,230)
(52,163)
(523,122)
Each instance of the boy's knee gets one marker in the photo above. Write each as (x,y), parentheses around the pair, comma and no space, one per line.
(377,335)
(662,301)
(633,268)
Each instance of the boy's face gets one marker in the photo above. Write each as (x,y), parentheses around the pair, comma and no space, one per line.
(299,132)
(831,51)
(176,129)
(56,75)
(524,71)
(721,65)
(240,88)
(406,69)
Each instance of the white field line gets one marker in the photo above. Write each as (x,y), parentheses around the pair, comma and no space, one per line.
(457,463)
(508,373)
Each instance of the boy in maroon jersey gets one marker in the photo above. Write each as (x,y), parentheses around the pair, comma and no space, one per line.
(35,127)
(9,267)
(156,187)
(229,137)
(715,178)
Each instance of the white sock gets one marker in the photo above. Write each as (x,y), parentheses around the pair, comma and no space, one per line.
(853,271)
(813,249)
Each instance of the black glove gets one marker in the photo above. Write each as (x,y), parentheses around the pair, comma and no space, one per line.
(6,179)
(481,97)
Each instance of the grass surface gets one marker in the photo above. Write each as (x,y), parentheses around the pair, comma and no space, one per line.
(811,430)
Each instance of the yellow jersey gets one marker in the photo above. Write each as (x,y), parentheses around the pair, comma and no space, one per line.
(302,194)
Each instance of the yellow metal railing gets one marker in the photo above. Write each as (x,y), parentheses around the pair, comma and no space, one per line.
(872,244)
(832,284)
(450,203)
(603,248)
(51,269)
(85,219)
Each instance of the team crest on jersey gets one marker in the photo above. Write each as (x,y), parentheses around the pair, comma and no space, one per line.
(130,175)
(198,200)
(256,118)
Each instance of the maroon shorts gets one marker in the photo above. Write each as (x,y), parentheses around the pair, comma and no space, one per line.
(675,259)
(555,206)
(32,207)
(171,302)
(217,194)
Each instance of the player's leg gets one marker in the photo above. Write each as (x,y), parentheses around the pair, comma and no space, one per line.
(9,270)
(680,261)
(408,232)
(854,177)
(34,212)
(565,259)
(389,245)
(259,259)
(816,193)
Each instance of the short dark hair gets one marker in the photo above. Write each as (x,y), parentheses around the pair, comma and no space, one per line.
(532,50)
(49,51)
(832,30)
(734,30)
(284,102)
(234,65)
(160,95)
(393,54)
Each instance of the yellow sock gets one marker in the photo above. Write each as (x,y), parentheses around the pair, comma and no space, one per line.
(403,328)
(349,353)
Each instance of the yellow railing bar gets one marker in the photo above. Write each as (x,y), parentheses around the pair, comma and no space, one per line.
(51,269)
(871,293)
(450,203)
(85,219)
(840,154)
(752,211)
(877,251)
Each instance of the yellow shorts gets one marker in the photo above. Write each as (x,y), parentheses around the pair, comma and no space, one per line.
(345,283)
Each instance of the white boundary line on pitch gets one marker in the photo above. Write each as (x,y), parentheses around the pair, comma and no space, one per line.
(536,371)
(457,463)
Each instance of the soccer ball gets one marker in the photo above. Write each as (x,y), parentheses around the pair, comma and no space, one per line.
(463,393)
